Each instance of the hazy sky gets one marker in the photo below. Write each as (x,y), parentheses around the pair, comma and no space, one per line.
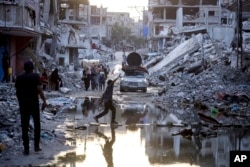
(122,6)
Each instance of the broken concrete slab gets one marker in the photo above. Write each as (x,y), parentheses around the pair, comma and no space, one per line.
(180,51)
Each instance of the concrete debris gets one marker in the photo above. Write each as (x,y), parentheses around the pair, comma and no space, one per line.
(62,102)
(10,124)
(202,78)
(198,83)
(184,48)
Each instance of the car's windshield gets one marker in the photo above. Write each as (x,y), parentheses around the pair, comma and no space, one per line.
(135,74)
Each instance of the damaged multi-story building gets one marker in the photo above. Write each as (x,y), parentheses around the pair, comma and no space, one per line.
(69,17)
(19,28)
(52,31)
(225,21)
(168,18)
(85,26)
(242,39)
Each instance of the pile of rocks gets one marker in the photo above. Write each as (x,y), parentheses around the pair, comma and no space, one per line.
(204,83)
(10,124)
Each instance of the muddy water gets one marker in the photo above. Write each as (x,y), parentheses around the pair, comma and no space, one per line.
(140,140)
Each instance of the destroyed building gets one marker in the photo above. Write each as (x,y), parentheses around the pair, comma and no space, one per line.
(54,32)
(19,25)
(168,18)
(195,75)
(205,68)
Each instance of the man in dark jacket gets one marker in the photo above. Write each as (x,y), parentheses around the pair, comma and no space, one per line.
(28,88)
(107,98)
(55,79)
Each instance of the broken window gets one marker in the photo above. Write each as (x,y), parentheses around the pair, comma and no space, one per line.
(190,11)
(157,12)
(71,55)
(171,13)
(47,48)
(209,2)
(158,29)
(211,13)
(224,20)
(61,61)
(95,20)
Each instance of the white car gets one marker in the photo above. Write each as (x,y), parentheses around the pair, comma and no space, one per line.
(133,81)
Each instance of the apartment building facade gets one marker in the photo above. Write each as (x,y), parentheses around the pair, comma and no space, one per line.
(171,17)
(19,27)
(30,29)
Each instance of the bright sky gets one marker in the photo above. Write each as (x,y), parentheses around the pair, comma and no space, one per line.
(123,6)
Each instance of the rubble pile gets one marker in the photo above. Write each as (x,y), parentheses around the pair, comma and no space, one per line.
(72,81)
(200,85)
(206,84)
(10,124)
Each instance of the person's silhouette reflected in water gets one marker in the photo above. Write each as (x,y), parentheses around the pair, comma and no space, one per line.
(89,105)
(107,147)
(86,106)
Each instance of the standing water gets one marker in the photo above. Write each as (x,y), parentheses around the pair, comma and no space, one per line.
(144,138)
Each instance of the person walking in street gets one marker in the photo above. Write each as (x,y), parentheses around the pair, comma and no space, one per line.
(55,79)
(107,99)
(44,79)
(28,90)
(106,70)
(93,70)
(86,78)
(102,81)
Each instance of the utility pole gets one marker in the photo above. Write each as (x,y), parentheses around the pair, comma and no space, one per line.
(239,34)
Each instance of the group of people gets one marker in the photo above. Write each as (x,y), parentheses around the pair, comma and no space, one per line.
(28,90)
(53,80)
(95,77)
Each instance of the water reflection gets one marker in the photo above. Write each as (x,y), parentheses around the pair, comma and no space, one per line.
(134,115)
(107,146)
(139,142)
(70,158)
(89,107)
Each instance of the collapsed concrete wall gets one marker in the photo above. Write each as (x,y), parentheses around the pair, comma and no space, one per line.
(184,48)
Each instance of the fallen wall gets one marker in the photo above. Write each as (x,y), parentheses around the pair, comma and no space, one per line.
(184,48)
